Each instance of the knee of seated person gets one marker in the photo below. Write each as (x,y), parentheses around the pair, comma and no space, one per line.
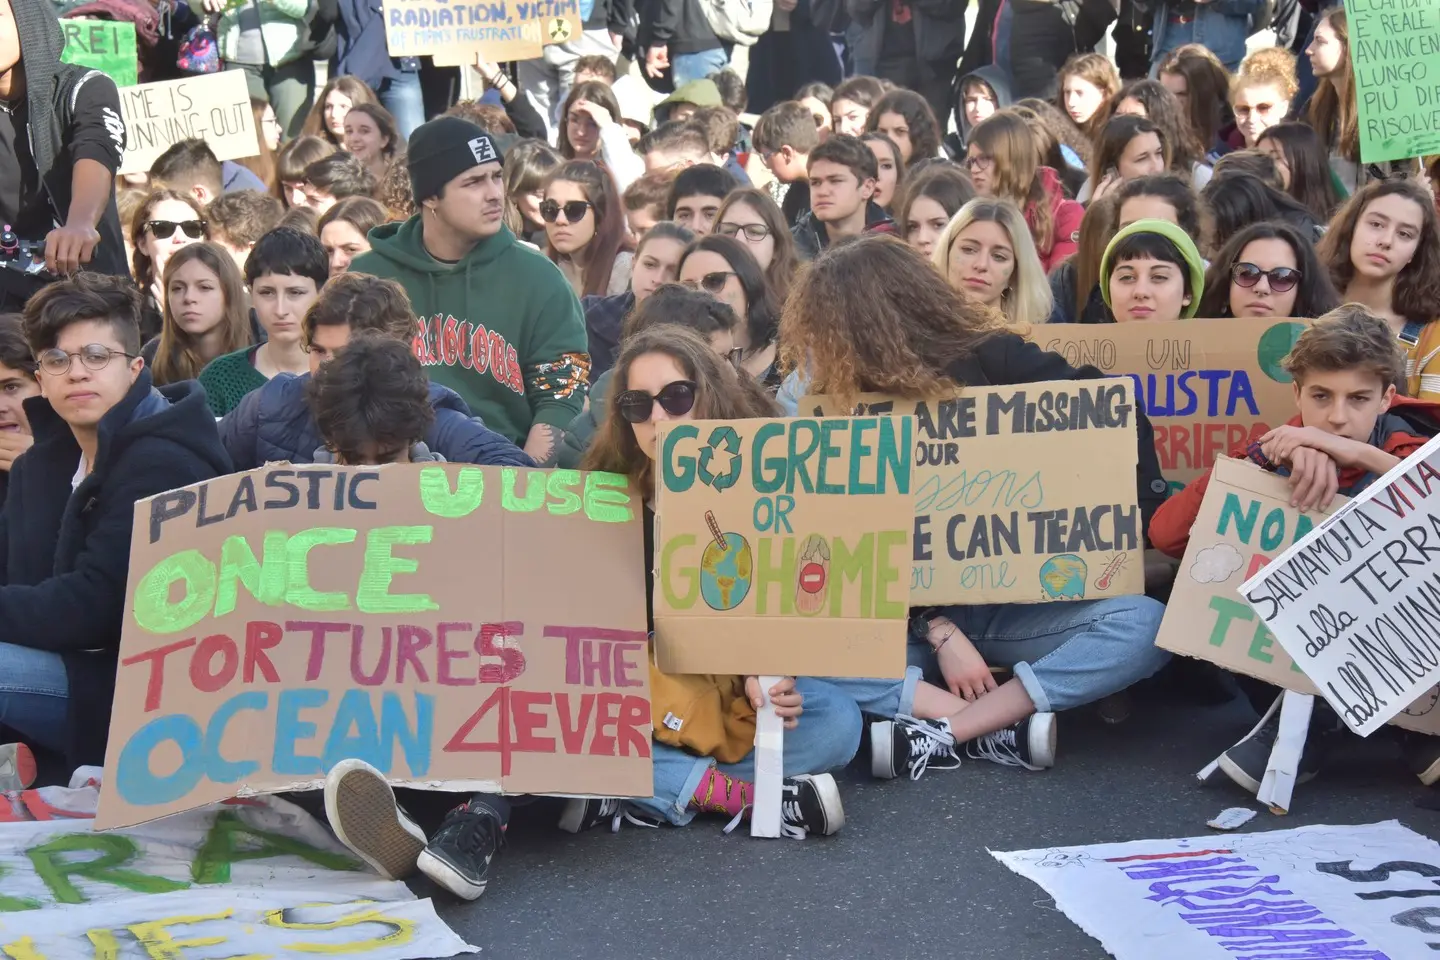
(833,719)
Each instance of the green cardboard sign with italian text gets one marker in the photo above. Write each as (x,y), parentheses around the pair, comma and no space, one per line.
(1395,54)
(104,45)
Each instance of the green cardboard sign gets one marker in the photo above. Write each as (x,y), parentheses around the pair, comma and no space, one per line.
(1395,53)
(104,45)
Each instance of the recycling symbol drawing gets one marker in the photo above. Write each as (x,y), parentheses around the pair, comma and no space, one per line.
(724,443)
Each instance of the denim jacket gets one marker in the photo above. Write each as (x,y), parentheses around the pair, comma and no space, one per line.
(1221,25)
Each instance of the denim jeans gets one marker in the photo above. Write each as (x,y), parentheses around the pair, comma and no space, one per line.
(402,96)
(33,694)
(685,67)
(826,738)
(547,80)
(1066,654)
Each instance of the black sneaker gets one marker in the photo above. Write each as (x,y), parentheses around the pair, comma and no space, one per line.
(458,858)
(1422,754)
(1029,744)
(810,804)
(362,811)
(582,813)
(909,745)
(1245,762)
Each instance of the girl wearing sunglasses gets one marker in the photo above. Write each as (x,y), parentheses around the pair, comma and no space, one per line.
(1383,251)
(724,268)
(669,304)
(206,315)
(873,315)
(669,373)
(585,229)
(164,222)
(750,216)
(1267,270)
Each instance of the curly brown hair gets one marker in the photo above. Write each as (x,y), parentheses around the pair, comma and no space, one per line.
(396,192)
(720,394)
(1417,288)
(872,315)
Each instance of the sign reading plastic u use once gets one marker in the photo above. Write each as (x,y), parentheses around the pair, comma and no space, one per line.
(454,626)
(783,546)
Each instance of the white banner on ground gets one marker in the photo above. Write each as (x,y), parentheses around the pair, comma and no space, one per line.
(253,878)
(1358,893)
(1356,603)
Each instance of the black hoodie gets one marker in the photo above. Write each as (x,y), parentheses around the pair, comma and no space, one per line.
(64,557)
(69,113)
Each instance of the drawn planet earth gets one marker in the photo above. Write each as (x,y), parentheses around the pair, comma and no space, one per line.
(725,574)
(1274,347)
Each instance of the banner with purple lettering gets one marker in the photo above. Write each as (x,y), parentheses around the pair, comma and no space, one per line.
(1356,892)
(1356,603)
(457,627)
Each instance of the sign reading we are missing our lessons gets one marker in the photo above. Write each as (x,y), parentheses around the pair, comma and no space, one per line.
(1023,494)
(1356,603)
(480,628)
(781,546)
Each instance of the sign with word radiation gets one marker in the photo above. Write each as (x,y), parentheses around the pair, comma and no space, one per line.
(1356,603)
(1348,893)
(1244,521)
(457,627)
(104,45)
(1395,56)
(781,546)
(1022,494)
(495,30)
(214,108)
(1209,387)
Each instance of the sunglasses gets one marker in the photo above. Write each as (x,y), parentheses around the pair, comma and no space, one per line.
(754,232)
(1282,279)
(711,282)
(676,399)
(574,210)
(165,229)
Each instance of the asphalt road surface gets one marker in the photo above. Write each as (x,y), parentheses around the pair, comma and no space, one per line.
(909,876)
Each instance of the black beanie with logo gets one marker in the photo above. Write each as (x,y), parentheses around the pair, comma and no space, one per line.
(444,148)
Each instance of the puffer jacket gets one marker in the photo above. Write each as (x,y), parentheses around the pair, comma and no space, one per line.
(274,423)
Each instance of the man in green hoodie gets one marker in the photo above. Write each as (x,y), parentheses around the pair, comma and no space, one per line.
(498,323)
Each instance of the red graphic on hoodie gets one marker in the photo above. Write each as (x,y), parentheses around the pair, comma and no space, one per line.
(443,341)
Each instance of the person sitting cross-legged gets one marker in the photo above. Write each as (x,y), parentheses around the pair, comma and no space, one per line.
(104,438)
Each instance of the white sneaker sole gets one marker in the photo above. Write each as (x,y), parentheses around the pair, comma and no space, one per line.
(1242,779)
(446,876)
(1430,774)
(362,811)
(1041,738)
(829,794)
(882,750)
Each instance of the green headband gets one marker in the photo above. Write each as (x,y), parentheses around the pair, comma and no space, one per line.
(1183,243)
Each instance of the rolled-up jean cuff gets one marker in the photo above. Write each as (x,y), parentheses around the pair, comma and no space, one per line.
(1031,683)
(680,812)
(881,697)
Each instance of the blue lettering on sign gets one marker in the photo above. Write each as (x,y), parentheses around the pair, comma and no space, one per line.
(355,731)
(1210,393)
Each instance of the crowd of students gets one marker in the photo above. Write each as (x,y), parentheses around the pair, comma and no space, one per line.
(507,285)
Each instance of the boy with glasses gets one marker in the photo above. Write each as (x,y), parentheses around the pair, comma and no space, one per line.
(105,437)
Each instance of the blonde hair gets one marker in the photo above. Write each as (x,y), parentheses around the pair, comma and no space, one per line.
(1269,67)
(1027,298)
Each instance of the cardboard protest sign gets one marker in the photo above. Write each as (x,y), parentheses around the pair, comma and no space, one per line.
(104,45)
(495,30)
(457,627)
(1394,52)
(1244,521)
(1022,494)
(781,546)
(214,108)
(1356,603)
(1208,386)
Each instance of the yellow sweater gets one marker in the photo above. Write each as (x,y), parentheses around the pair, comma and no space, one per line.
(1422,361)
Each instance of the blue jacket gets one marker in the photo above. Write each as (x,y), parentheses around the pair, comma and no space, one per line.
(274,423)
(1221,25)
(360,49)
(64,556)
